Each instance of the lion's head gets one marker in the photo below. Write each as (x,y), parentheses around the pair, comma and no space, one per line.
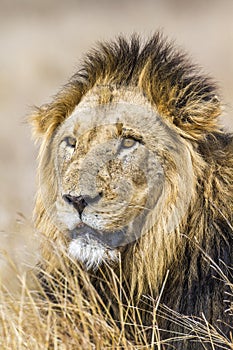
(118,168)
(118,163)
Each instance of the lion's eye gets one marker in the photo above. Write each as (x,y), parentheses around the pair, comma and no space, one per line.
(70,141)
(128,142)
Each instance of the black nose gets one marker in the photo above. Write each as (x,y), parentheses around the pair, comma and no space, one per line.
(79,202)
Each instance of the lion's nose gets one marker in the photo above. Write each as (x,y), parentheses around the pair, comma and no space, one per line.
(79,202)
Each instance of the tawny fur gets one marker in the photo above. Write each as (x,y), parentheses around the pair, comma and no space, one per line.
(188,102)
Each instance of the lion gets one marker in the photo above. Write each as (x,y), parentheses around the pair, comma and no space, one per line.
(135,175)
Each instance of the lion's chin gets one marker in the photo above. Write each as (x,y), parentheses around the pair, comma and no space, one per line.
(91,252)
(110,240)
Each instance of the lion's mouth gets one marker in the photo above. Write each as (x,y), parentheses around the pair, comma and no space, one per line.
(107,239)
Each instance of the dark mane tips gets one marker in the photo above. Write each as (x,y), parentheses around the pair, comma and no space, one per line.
(164,74)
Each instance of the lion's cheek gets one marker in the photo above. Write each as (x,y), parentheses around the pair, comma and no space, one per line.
(115,216)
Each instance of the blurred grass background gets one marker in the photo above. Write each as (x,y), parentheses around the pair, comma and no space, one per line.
(42,42)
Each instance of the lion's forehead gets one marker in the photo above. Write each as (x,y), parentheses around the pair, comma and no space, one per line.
(90,114)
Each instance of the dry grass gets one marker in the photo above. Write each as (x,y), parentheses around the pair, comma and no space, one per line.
(78,318)
(43,41)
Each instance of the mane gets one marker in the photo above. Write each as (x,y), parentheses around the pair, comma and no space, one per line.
(164,75)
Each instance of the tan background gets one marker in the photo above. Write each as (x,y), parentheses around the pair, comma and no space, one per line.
(41,44)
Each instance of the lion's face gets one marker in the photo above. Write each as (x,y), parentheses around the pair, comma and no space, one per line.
(111,174)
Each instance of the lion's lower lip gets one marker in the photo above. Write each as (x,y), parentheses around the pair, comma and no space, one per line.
(110,240)
(82,231)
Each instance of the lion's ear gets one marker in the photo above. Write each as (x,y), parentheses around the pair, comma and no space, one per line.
(199,115)
(45,120)
(191,103)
